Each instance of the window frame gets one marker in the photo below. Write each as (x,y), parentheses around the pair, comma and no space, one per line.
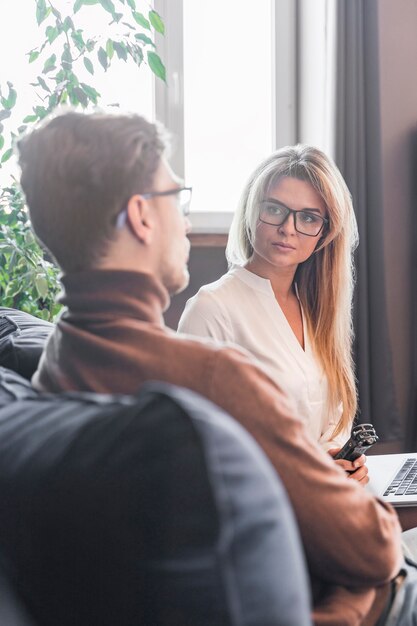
(169,98)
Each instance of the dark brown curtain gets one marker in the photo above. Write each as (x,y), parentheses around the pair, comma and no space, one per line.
(411,428)
(358,155)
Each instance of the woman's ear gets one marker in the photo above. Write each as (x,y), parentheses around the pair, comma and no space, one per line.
(139,218)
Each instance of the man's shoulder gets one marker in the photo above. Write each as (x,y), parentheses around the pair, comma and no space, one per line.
(208,348)
(226,364)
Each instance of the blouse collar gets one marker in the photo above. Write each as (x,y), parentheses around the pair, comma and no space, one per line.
(253,280)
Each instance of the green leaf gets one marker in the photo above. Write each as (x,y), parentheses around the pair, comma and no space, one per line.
(78,39)
(79,3)
(41,11)
(91,92)
(109,49)
(51,33)
(88,65)
(12,289)
(60,78)
(108,6)
(43,84)
(41,285)
(30,118)
(6,156)
(68,24)
(6,113)
(10,101)
(156,22)
(72,79)
(33,55)
(52,101)
(156,65)
(44,313)
(80,95)
(1,142)
(141,19)
(40,112)
(136,54)
(12,261)
(56,13)
(132,4)
(6,248)
(146,40)
(66,58)
(56,308)
(29,238)
(49,64)
(120,49)
(102,57)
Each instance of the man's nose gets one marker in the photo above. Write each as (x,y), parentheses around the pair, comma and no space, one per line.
(188,225)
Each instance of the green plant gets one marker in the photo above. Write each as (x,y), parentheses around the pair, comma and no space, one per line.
(28,278)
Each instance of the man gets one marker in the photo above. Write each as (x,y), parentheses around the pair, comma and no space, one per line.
(104,201)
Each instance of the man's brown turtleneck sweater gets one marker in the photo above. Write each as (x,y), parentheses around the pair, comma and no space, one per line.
(112,339)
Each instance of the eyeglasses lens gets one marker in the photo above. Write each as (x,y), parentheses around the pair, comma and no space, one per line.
(306,222)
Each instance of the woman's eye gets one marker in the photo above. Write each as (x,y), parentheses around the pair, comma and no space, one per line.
(308,218)
(275,209)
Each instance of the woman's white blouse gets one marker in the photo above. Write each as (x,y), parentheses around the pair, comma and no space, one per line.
(241,308)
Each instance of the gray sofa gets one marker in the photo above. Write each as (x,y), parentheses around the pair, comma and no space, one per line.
(156,509)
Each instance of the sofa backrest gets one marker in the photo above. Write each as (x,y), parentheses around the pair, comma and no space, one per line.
(12,612)
(157,510)
(22,337)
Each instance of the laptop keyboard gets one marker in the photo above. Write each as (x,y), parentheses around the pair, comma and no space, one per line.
(405,482)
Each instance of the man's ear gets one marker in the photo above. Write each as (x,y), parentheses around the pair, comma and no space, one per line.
(139,218)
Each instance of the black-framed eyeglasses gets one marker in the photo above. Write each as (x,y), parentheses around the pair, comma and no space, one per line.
(183,193)
(184,200)
(306,221)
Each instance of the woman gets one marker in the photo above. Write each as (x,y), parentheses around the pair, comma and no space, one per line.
(287,297)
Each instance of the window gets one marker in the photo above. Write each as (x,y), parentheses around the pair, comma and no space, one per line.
(243,78)
(227,97)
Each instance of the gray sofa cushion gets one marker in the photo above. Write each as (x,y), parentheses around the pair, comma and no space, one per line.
(155,510)
(22,337)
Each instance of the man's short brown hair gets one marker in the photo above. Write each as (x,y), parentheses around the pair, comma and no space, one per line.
(78,172)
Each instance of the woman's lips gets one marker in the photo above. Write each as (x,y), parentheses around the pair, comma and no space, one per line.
(283,246)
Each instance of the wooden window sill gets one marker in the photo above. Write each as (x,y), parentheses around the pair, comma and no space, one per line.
(207,240)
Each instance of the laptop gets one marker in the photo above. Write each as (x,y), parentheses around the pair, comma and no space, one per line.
(393,478)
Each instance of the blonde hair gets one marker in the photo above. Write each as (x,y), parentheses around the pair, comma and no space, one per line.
(325,280)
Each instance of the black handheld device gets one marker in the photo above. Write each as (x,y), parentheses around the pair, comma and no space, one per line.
(363,437)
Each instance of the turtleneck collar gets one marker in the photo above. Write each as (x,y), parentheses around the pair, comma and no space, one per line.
(105,294)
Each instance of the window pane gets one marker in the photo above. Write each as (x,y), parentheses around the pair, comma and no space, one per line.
(227,97)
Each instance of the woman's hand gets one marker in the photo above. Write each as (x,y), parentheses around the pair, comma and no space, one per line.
(356,469)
